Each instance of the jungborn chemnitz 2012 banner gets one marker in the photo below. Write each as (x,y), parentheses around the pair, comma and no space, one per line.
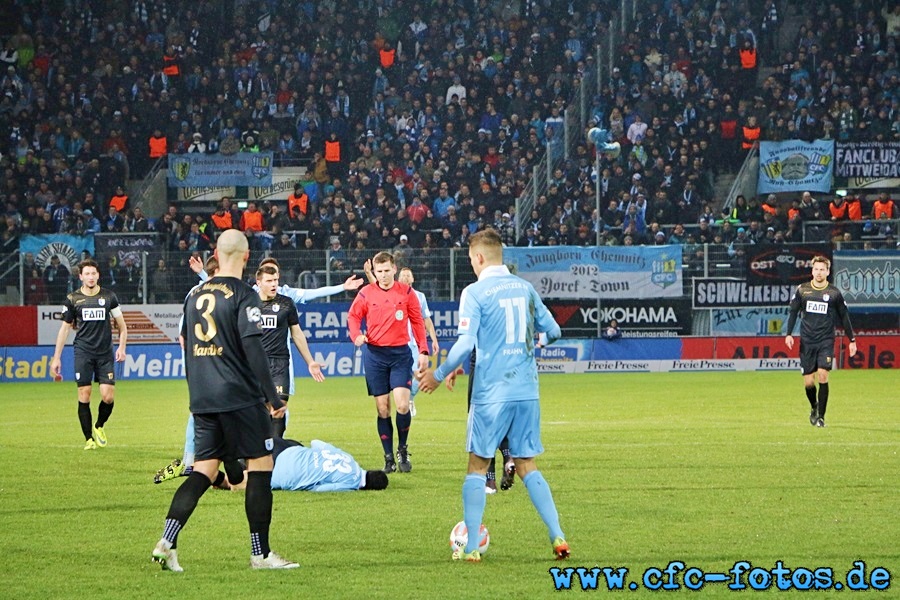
(796,166)
(208,170)
(608,272)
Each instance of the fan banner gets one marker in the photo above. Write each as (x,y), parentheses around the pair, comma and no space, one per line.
(608,272)
(795,166)
(212,170)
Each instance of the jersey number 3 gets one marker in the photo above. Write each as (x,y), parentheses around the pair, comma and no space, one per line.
(515,319)
(206,304)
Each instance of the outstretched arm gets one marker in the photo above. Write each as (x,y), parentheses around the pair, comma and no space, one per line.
(315,369)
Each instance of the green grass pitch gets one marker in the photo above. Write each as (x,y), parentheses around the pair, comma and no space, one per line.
(708,469)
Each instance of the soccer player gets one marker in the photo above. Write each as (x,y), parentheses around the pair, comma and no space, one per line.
(406,276)
(227,374)
(389,308)
(279,322)
(320,468)
(87,310)
(498,316)
(818,303)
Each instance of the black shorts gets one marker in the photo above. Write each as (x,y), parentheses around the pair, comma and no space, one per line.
(243,433)
(816,356)
(387,368)
(90,368)
(280,368)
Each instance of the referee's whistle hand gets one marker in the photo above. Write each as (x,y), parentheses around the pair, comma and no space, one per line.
(360,340)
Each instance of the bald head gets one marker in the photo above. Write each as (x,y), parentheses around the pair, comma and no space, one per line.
(232,250)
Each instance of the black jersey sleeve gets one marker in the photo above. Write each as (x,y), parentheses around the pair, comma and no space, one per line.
(293,317)
(796,303)
(68,314)
(249,315)
(840,307)
(113,301)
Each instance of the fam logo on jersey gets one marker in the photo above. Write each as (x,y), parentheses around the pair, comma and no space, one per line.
(664,272)
(68,256)
(181,168)
(261,167)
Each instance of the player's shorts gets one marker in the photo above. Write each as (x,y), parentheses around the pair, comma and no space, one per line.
(242,433)
(280,368)
(387,368)
(816,356)
(90,368)
(490,423)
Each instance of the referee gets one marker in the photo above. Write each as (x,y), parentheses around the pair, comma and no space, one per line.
(818,303)
(389,308)
(231,398)
(87,310)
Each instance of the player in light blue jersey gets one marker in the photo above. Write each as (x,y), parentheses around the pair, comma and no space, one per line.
(499,316)
(406,276)
(320,468)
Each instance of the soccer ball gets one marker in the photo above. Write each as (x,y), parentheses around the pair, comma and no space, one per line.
(459,537)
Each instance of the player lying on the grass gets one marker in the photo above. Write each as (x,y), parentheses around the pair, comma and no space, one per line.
(319,468)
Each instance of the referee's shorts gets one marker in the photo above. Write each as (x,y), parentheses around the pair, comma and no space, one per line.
(387,368)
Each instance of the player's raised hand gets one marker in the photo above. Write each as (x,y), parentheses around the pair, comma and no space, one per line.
(353,283)
(315,369)
(196,264)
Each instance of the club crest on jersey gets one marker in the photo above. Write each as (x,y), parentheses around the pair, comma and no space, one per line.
(102,301)
(398,315)
(825,297)
(275,308)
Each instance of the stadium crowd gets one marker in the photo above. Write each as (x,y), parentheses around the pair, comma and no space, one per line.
(421,121)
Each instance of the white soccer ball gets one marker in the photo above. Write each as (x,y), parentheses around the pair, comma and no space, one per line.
(459,537)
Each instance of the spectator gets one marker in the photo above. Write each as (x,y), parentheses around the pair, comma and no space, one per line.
(56,280)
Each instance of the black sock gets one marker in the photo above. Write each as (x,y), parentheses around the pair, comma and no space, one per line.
(404,421)
(220,479)
(504,450)
(386,433)
(103,413)
(258,505)
(811,396)
(84,417)
(823,399)
(492,471)
(278,427)
(183,504)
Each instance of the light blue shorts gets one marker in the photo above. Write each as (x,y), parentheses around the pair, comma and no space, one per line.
(490,423)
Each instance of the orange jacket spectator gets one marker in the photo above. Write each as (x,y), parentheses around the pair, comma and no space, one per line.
(750,132)
(158,144)
(748,57)
(854,208)
(222,219)
(119,200)
(387,55)
(252,219)
(883,205)
(298,201)
(840,210)
(332,151)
